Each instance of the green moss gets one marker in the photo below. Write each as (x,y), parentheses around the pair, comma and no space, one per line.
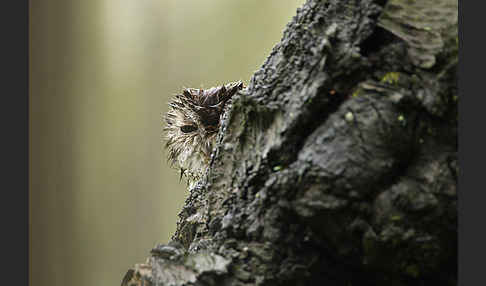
(396,218)
(401,119)
(390,78)
(349,116)
(412,270)
(427,246)
(277,168)
(368,246)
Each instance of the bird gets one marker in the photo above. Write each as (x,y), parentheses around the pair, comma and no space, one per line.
(192,123)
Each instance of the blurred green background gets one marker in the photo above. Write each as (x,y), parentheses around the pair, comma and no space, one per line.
(101,73)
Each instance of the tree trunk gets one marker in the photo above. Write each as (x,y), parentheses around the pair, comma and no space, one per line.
(337,165)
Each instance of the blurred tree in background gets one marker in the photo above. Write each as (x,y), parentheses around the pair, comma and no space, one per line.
(101,73)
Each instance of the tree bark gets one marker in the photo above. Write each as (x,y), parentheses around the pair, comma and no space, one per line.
(337,165)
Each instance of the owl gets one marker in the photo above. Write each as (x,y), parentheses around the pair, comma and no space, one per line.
(192,123)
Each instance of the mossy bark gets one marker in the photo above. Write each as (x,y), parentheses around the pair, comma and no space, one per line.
(337,165)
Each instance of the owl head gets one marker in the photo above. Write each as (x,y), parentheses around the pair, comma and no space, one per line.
(192,123)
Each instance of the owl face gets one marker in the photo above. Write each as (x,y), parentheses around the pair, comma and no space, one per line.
(192,122)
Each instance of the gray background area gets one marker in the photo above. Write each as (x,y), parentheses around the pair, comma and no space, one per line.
(101,73)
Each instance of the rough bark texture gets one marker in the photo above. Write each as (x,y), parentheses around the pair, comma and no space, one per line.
(337,165)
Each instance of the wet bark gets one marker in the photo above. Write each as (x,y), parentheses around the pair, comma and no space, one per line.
(337,165)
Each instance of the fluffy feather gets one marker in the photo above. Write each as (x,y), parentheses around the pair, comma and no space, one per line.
(192,123)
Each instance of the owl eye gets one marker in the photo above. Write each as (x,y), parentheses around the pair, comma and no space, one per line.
(188,128)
